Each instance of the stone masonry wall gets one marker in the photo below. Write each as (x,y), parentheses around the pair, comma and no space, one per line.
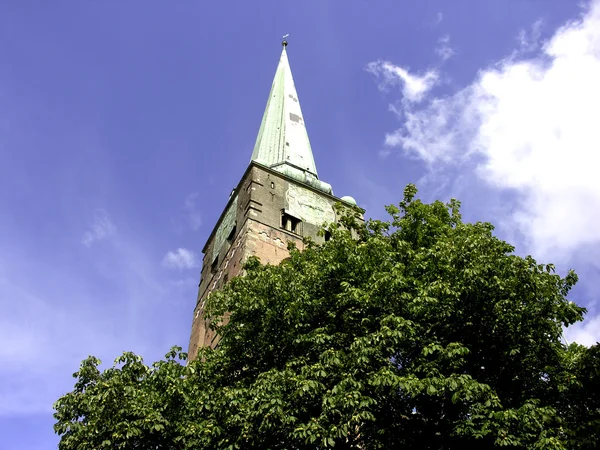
(253,222)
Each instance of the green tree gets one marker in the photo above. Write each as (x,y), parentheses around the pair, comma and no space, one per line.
(420,332)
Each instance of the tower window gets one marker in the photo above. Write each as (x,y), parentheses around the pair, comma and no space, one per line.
(214,266)
(232,234)
(291,223)
(327,235)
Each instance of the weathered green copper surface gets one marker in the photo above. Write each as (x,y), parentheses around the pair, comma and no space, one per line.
(308,206)
(227,224)
(282,141)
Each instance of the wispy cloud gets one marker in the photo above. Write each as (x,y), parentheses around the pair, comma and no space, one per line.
(47,328)
(193,216)
(585,333)
(438,18)
(443,48)
(181,258)
(529,40)
(413,86)
(101,227)
(527,124)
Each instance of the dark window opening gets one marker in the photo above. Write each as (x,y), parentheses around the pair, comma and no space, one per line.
(231,236)
(214,266)
(225,278)
(290,223)
(327,235)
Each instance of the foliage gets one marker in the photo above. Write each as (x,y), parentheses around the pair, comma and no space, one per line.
(420,332)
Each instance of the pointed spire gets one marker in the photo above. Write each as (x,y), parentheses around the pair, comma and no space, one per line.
(282,141)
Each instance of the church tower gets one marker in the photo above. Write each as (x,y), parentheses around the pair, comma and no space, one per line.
(279,198)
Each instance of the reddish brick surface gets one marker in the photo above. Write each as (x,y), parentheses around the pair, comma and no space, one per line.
(261,199)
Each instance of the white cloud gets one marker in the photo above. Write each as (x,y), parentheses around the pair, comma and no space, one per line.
(413,86)
(529,125)
(193,216)
(438,18)
(181,258)
(584,333)
(443,49)
(100,228)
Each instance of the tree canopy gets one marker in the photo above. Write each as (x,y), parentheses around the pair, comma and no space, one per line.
(421,332)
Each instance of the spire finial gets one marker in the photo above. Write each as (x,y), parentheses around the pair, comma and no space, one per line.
(284,42)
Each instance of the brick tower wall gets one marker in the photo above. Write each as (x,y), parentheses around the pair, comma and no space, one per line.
(264,213)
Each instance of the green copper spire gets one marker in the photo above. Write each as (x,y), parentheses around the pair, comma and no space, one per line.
(282,141)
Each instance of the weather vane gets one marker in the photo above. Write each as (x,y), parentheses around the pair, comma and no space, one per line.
(284,43)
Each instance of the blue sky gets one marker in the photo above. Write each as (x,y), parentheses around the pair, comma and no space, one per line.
(125,125)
